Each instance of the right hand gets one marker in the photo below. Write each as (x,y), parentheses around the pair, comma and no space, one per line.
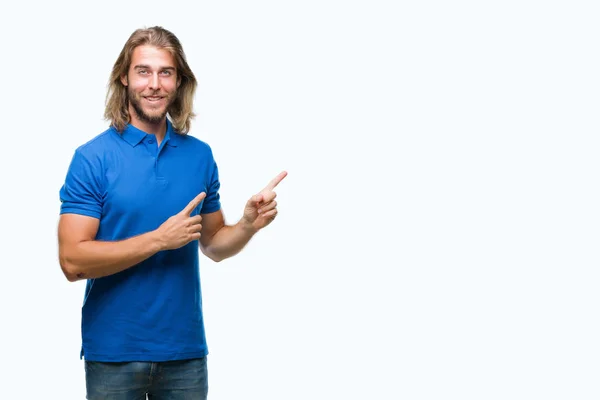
(180,229)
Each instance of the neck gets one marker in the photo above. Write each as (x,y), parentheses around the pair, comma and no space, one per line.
(158,129)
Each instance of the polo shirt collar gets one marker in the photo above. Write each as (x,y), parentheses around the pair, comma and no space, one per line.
(171,136)
(134,136)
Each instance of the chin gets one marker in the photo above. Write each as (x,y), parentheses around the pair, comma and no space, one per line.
(155,113)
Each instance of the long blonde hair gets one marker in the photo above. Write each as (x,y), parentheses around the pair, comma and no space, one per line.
(181,110)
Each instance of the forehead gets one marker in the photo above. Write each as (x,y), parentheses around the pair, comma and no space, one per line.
(152,56)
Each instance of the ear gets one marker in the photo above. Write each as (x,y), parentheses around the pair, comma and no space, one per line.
(124,80)
(178,81)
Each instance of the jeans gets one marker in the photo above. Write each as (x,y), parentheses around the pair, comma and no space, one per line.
(171,380)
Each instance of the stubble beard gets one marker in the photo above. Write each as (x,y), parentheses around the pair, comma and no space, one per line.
(141,114)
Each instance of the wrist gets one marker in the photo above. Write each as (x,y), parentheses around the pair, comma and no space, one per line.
(247,227)
(156,241)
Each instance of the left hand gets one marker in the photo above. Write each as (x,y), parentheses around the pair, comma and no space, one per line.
(261,209)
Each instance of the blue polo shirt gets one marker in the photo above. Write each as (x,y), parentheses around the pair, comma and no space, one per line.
(153,310)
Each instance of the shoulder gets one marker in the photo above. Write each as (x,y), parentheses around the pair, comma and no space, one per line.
(193,143)
(96,146)
(92,155)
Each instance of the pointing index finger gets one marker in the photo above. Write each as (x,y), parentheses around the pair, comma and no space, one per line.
(275,181)
(193,204)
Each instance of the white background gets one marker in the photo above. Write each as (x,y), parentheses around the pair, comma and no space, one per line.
(438,229)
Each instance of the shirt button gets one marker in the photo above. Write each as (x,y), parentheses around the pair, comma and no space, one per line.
(151,141)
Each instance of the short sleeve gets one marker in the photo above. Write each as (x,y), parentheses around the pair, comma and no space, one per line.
(212,200)
(82,191)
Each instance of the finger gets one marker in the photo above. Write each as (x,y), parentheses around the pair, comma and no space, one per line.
(275,181)
(267,207)
(193,204)
(255,200)
(196,219)
(268,196)
(270,214)
(195,228)
(196,236)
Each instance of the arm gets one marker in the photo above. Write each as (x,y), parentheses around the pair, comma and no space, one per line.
(83,257)
(220,241)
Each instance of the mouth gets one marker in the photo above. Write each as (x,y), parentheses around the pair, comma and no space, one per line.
(153,99)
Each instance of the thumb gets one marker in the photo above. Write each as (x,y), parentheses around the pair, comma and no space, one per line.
(254,200)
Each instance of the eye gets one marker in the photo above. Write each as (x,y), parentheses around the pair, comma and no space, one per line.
(166,73)
(142,71)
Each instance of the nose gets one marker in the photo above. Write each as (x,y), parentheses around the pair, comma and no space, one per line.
(154,82)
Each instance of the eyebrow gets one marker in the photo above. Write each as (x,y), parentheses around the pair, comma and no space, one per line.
(148,67)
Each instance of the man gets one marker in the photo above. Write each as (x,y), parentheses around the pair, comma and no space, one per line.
(137,202)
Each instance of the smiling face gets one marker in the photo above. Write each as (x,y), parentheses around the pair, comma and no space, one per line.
(152,84)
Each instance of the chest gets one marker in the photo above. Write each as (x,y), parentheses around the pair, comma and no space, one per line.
(140,184)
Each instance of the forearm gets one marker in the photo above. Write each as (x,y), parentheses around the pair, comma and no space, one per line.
(228,241)
(95,259)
